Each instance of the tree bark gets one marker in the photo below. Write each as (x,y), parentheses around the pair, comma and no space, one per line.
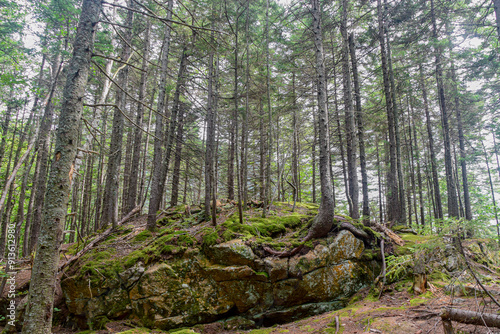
(210,142)
(397,135)
(158,180)
(492,190)
(176,177)
(268,198)
(470,317)
(131,199)
(324,220)
(110,204)
(361,134)
(450,182)
(438,212)
(39,311)
(351,145)
(393,199)
(496,6)
(43,156)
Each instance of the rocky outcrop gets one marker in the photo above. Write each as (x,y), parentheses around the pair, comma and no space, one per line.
(223,281)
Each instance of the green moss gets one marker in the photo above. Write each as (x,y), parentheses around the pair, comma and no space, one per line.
(141,331)
(144,235)
(421,299)
(437,275)
(210,237)
(263,273)
(133,257)
(182,331)
(261,331)
(99,322)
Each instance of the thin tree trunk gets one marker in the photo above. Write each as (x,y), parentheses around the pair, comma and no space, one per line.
(393,198)
(268,196)
(43,156)
(110,204)
(496,6)
(323,221)
(131,200)
(450,182)
(176,177)
(395,110)
(295,153)
(461,141)
(492,190)
(361,138)
(210,135)
(39,310)
(313,156)
(438,212)
(177,110)
(351,145)
(339,132)
(158,179)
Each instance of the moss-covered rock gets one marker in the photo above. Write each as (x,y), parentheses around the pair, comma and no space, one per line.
(200,285)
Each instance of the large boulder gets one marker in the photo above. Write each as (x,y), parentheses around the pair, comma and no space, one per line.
(223,281)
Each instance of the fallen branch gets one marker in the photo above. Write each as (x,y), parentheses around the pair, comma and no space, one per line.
(101,237)
(470,317)
(388,232)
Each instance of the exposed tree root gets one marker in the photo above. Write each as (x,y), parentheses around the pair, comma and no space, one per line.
(315,234)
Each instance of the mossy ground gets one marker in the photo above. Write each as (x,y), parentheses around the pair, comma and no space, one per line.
(177,232)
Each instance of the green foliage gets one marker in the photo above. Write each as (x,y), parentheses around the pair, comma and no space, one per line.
(398,267)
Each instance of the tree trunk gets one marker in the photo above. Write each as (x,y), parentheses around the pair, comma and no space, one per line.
(393,198)
(438,212)
(176,177)
(339,132)
(210,135)
(110,204)
(295,153)
(5,129)
(397,135)
(351,145)
(268,198)
(177,112)
(39,311)
(361,138)
(262,161)
(492,190)
(496,5)
(313,157)
(461,141)
(158,180)
(43,156)
(450,182)
(324,220)
(470,317)
(131,200)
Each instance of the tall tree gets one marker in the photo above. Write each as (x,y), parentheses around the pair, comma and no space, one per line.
(39,311)
(450,180)
(324,220)
(393,199)
(158,179)
(361,134)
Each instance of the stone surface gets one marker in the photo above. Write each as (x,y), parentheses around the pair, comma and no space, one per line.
(224,281)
